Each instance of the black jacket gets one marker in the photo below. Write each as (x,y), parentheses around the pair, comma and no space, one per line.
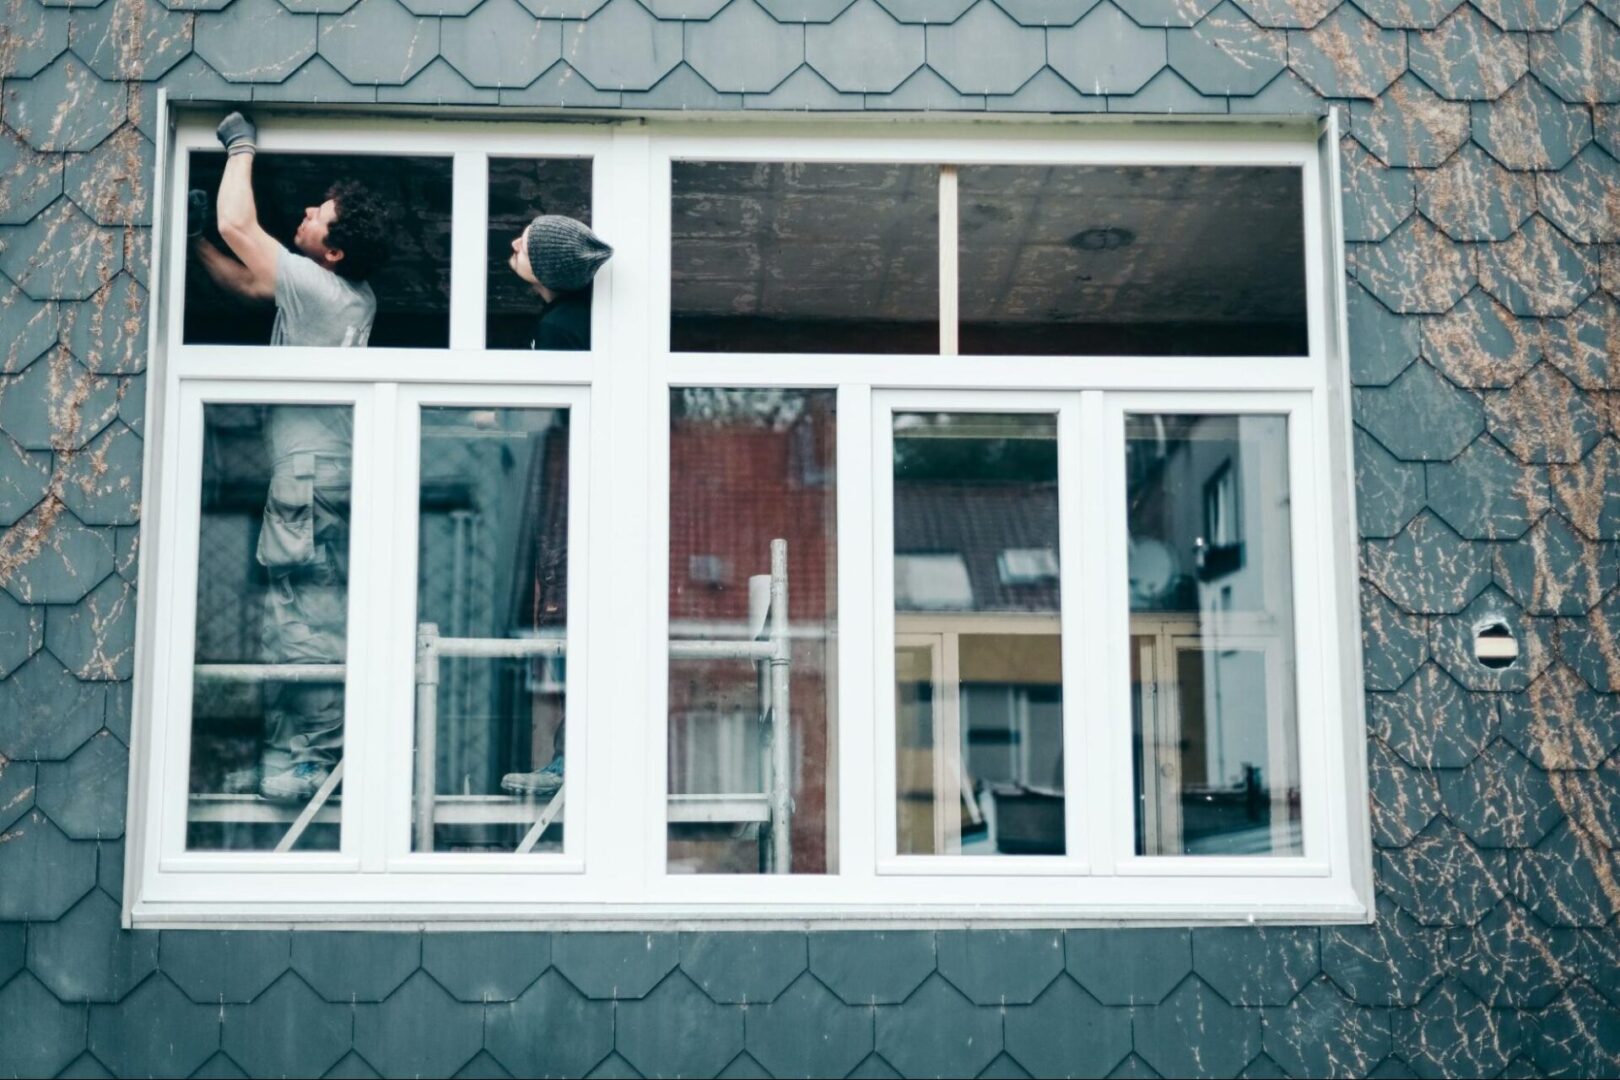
(565,323)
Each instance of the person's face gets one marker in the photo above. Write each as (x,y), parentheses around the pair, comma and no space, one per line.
(519,260)
(311,235)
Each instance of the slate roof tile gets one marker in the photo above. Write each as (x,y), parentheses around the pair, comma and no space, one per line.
(1323,1033)
(1389,492)
(31,36)
(287,1031)
(85,956)
(674,10)
(438,84)
(224,966)
(872,967)
(1451,1032)
(1580,62)
(1106,53)
(29,180)
(931,12)
(1481,344)
(1529,128)
(561,85)
(1606,119)
(392,1037)
(1467,58)
(651,1033)
(131,410)
(17,786)
(1473,198)
(1392,961)
(1167,13)
(1416,269)
(48,713)
(938,1032)
(31,325)
(1452,639)
(1286,95)
(1376,199)
(356,965)
(743,49)
(804,11)
(1566,880)
(1587,644)
(1553,570)
(1048,12)
(1500,800)
(1432,722)
(807,1031)
(1453,416)
(154,1031)
(131,39)
(61,254)
(550,1029)
(743,968)
(1166,93)
(25,477)
(1226,53)
(1577,1035)
(107,333)
(352,1065)
(1408,14)
(1404,800)
(1410,125)
(85,794)
(1583,198)
(1000,967)
(1128,967)
(1527,14)
(615,966)
(1514,418)
(803,90)
(13,940)
(193,80)
(1288,14)
(1194,1033)
(1440,879)
(316,80)
(1537,271)
(62,571)
(318,7)
(378,41)
(485,967)
(1066,1032)
(563,9)
(1347,55)
(51,1037)
(682,89)
(1486,494)
(1588,492)
(1586,345)
(622,47)
(925,91)
(1560,723)
(111,183)
(1382,344)
(864,50)
(1046,91)
(614,1066)
(1133,1067)
(255,41)
(1508,960)
(57,404)
(1597,953)
(1256,966)
(985,51)
(1393,643)
(501,44)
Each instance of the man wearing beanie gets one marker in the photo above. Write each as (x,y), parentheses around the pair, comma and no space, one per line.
(558,257)
(322,299)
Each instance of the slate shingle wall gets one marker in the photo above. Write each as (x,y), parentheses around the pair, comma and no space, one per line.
(1483,213)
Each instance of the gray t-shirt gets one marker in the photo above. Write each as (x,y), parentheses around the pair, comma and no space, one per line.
(317,307)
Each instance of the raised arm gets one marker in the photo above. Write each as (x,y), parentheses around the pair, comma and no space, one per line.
(239,217)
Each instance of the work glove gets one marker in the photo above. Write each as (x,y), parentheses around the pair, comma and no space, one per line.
(197,210)
(237,134)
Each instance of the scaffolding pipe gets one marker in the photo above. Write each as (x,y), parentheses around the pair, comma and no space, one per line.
(285,673)
(427,725)
(781,733)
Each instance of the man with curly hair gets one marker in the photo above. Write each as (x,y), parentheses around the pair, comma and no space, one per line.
(322,299)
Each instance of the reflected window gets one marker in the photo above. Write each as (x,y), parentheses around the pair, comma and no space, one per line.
(752,621)
(978,671)
(804,257)
(1113,259)
(516,316)
(492,615)
(389,215)
(267,710)
(1212,658)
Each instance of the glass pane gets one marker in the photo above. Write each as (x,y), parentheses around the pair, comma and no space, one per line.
(520,190)
(1085,260)
(267,705)
(796,257)
(978,676)
(1212,631)
(492,617)
(752,694)
(388,216)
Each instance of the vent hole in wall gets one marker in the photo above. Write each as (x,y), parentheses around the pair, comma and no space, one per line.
(1495,646)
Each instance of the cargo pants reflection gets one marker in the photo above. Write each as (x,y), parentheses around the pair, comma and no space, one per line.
(304,548)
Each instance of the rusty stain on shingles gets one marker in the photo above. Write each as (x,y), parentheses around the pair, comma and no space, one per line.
(1456,343)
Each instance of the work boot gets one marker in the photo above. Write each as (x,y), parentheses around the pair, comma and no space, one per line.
(297,784)
(544,781)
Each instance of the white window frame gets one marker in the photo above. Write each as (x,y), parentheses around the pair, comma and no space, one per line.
(613,870)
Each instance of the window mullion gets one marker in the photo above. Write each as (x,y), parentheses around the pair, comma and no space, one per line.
(373,602)
(856,805)
(469,240)
(1103,634)
(948,270)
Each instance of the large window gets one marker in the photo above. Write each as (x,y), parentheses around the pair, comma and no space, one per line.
(945,527)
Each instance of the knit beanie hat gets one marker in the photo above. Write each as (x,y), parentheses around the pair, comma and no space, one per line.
(564,253)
